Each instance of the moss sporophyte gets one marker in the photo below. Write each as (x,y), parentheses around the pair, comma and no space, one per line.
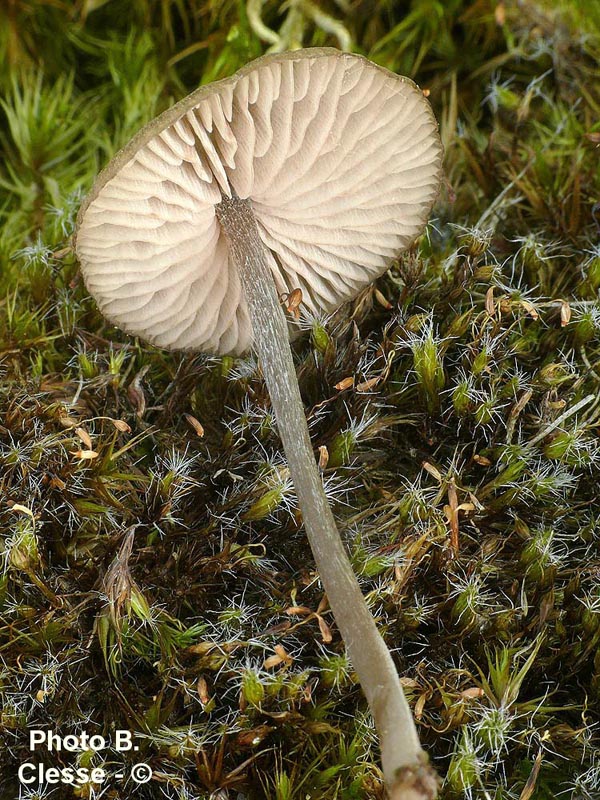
(303,176)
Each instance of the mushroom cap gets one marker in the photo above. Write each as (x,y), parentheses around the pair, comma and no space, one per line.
(340,159)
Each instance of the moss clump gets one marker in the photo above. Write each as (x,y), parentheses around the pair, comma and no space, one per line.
(155,576)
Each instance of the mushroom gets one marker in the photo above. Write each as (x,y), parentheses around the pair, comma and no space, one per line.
(308,170)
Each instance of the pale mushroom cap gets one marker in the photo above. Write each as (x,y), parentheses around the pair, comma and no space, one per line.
(340,159)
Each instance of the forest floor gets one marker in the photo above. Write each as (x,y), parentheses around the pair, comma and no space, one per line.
(154,574)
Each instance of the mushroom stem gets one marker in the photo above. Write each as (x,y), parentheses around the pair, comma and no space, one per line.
(405,768)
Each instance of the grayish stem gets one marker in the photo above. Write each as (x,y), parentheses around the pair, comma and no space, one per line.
(404,762)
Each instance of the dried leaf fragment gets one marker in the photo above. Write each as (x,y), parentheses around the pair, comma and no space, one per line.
(451,512)
(195,424)
(85,455)
(345,383)
(323,456)
(121,425)
(366,386)
(382,300)
(298,611)
(22,509)
(529,787)
(473,692)
(68,422)
(202,689)
(489,302)
(565,314)
(281,657)
(530,308)
(292,303)
(135,392)
(326,634)
(85,437)
(420,705)
(432,471)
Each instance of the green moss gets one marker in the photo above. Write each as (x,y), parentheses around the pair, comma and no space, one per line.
(158,580)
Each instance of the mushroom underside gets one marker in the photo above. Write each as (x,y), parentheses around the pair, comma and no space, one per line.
(340,160)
